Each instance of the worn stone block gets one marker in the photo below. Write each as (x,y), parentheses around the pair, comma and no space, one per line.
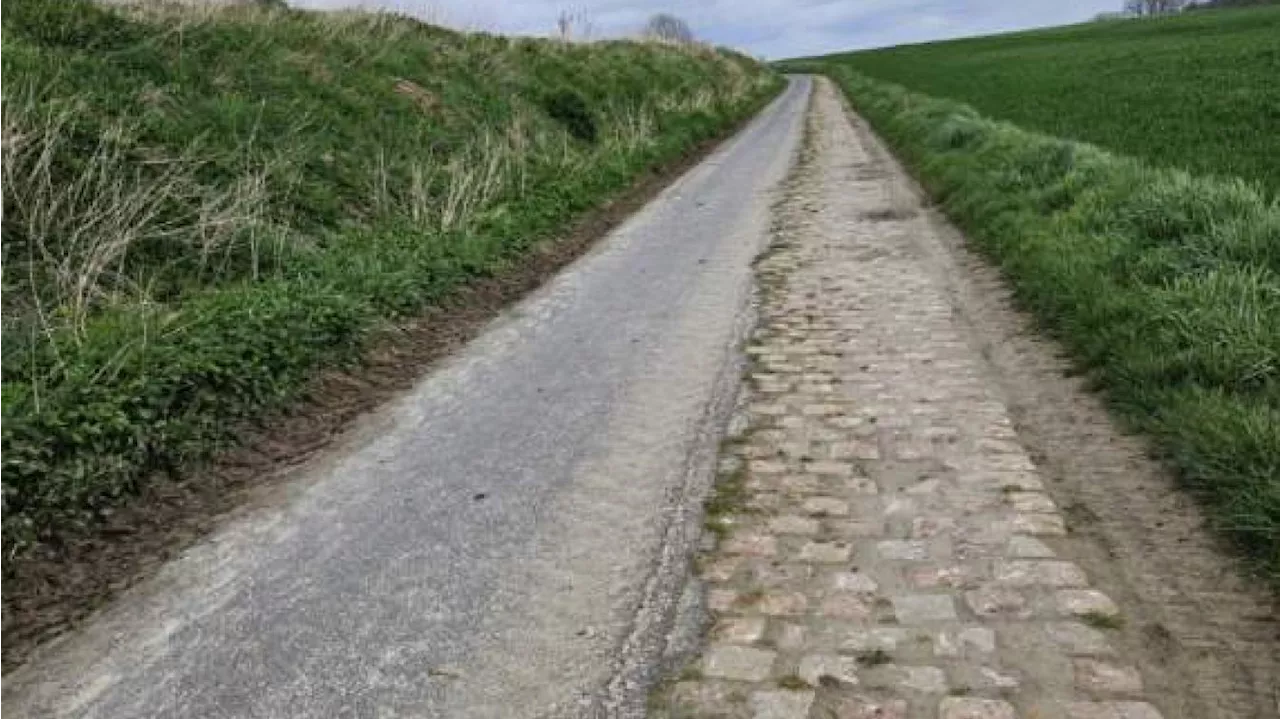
(746,664)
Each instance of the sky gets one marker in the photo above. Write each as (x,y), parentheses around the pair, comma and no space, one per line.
(772,29)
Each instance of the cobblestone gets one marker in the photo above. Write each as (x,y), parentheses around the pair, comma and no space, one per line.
(742,663)
(897,543)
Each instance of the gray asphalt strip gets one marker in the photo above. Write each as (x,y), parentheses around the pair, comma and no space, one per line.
(488,545)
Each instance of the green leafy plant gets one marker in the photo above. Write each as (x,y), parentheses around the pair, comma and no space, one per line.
(570,109)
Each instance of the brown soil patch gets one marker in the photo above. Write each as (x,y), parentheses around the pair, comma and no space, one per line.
(59,583)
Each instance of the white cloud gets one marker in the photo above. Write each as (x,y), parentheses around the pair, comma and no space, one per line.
(772,28)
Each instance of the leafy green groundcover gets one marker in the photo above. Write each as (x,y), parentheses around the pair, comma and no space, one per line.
(1166,286)
(391,162)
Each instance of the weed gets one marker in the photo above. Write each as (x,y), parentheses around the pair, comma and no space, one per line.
(568,108)
(792,682)
(873,657)
(690,673)
(727,498)
(1101,620)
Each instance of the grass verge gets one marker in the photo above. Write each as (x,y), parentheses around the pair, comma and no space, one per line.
(1166,286)
(206,206)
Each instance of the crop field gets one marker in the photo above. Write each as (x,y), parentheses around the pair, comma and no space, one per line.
(1198,91)
(1152,254)
(205,206)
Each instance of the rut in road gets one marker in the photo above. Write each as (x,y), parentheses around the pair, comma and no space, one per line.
(895,552)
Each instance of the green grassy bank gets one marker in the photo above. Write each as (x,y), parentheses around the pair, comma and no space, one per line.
(203,207)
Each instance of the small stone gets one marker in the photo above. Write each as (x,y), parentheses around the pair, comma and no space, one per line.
(826,507)
(1081,602)
(884,639)
(995,680)
(1007,481)
(766,466)
(1024,481)
(991,601)
(834,469)
(922,608)
(1024,547)
(796,484)
(846,605)
(1077,638)
(782,603)
(776,575)
(781,704)
(700,698)
(956,577)
(952,643)
(926,527)
(861,485)
(855,450)
(791,524)
(740,630)
(928,486)
(981,530)
(721,570)
(899,506)
(825,552)
(854,527)
(853,582)
(1112,710)
(1040,524)
(864,707)
(928,680)
(1034,502)
(745,664)
(1022,573)
(816,666)
(910,551)
(1101,678)
(751,545)
(766,502)
(721,600)
(970,708)
(791,637)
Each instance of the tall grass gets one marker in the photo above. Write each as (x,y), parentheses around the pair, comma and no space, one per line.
(105,229)
(1166,286)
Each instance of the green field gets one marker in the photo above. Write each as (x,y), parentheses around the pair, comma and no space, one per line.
(203,207)
(1165,285)
(1200,91)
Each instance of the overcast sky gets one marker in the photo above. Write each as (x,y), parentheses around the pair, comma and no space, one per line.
(772,28)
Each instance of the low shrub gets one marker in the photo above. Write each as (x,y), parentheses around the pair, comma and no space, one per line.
(570,109)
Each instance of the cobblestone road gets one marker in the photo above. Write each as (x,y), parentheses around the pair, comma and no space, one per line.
(890,552)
